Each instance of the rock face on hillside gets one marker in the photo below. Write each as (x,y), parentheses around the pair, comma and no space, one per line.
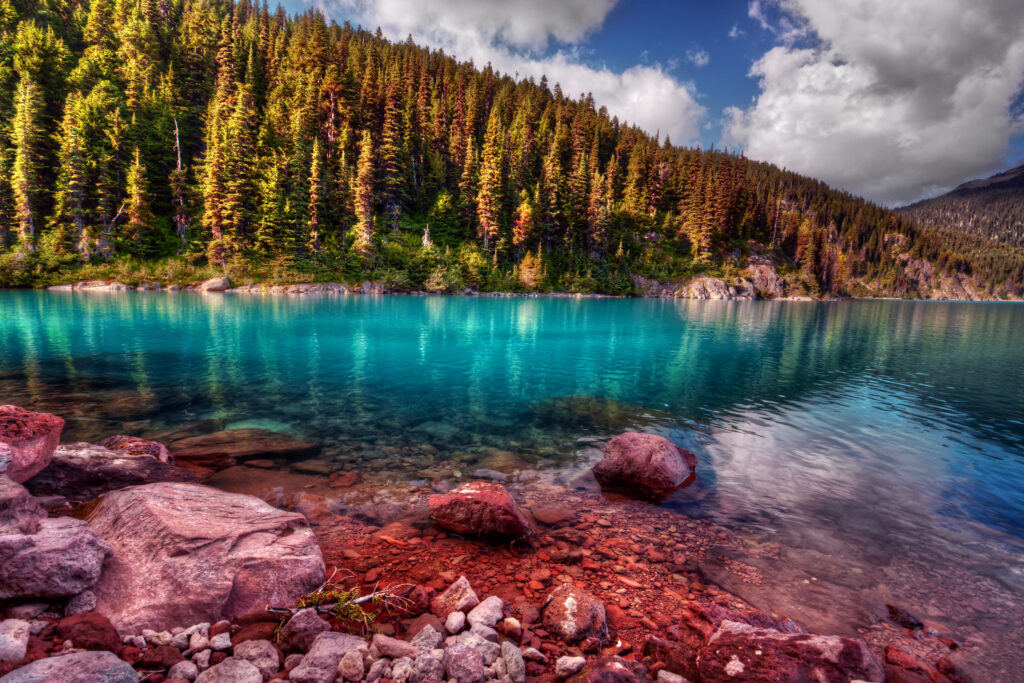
(649,464)
(185,553)
(27,441)
(83,471)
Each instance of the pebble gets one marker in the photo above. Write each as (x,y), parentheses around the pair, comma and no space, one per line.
(202,659)
(186,669)
(567,666)
(221,641)
(198,642)
(455,622)
(666,676)
(351,666)
(14,635)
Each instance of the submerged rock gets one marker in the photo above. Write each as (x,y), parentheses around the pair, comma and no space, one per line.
(82,471)
(27,441)
(220,450)
(185,553)
(648,463)
(481,509)
(741,652)
(598,412)
(133,445)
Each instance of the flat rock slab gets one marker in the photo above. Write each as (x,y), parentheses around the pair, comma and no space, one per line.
(79,666)
(223,449)
(82,471)
(186,553)
(27,441)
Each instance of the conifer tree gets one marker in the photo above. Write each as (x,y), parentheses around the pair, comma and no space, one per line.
(69,213)
(140,231)
(489,197)
(26,133)
(364,199)
(316,191)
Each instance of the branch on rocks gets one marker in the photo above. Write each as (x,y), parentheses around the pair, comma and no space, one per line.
(347,604)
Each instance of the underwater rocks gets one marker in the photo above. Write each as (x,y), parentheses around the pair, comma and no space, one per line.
(741,652)
(185,553)
(592,412)
(133,445)
(208,453)
(80,471)
(480,509)
(27,441)
(646,462)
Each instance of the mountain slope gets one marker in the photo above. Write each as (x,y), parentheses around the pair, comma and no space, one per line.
(990,207)
(180,138)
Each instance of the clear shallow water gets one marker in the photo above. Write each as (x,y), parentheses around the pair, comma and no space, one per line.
(881,444)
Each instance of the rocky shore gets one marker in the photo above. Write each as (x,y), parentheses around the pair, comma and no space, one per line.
(117,564)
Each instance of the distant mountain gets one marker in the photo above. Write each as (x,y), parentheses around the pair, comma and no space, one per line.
(990,207)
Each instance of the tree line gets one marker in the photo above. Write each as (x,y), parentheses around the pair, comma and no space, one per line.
(225,134)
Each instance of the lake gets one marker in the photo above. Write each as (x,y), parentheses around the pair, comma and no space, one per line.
(872,452)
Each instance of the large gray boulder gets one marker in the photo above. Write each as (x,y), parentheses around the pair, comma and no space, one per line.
(320,665)
(83,471)
(79,666)
(20,512)
(27,441)
(63,557)
(186,553)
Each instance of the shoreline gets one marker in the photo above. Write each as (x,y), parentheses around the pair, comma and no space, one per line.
(375,288)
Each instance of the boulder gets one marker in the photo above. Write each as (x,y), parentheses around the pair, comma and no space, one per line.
(488,612)
(741,652)
(186,553)
(136,446)
(458,598)
(20,512)
(27,441)
(481,509)
(77,666)
(82,471)
(464,664)
(611,670)
(765,280)
(62,558)
(646,463)
(572,614)
(212,452)
(214,284)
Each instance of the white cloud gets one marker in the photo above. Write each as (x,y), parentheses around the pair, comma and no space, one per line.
(736,32)
(515,36)
(896,101)
(699,58)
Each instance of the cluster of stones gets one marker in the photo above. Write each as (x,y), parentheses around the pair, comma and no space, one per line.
(171,580)
(222,284)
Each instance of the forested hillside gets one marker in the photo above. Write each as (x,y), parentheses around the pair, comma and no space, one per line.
(176,138)
(992,208)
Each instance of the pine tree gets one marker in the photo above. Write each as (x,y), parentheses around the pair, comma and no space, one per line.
(139,231)
(492,162)
(26,134)
(69,215)
(316,191)
(364,198)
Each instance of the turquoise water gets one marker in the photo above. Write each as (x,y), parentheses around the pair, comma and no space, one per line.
(856,433)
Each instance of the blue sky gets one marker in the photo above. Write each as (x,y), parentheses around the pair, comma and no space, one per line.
(892,101)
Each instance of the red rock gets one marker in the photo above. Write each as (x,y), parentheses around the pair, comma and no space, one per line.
(421,622)
(185,553)
(458,598)
(344,480)
(222,626)
(133,445)
(27,441)
(130,654)
(217,657)
(676,657)
(646,462)
(259,631)
(481,509)
(740,652)
(89,631)
(617,617)
(161,657)
(699,621)
(573,614)
(553,515)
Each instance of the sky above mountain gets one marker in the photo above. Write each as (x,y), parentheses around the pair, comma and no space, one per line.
(894,101)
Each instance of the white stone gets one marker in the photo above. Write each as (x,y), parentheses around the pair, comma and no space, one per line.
(221,641)
(455,622)
(567,666)
(13,640)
